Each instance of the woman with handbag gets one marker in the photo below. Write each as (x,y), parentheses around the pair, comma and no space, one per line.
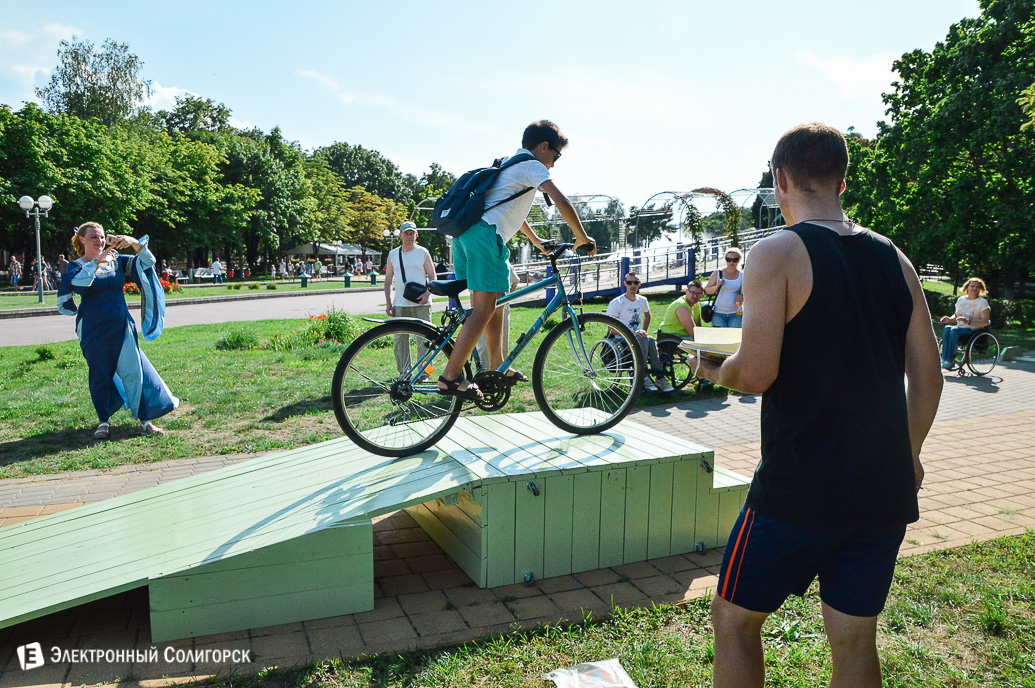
(408,271)
(727,284)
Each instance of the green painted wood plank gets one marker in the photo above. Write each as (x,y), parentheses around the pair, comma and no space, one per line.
(730,504)
(349,598)
(706,526)
(585,550)
(557,549)
(466,529)
(543,458)
(723,479)
(469,561)
(659,519)
(612,518)
(498,510)
(530,528)
(684,505)
(637,511)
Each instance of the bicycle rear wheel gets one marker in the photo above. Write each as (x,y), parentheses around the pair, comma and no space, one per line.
(982,353)
(382,409)
(591,392)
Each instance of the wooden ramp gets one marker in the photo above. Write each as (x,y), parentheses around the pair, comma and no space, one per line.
(288,536)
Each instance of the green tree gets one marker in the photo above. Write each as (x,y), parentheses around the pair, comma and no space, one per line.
(195,114)
(951,175)
(87,83)
(358,166)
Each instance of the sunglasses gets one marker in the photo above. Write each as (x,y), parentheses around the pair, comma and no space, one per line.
(734,259)
(632,281)
(557,154)
(698,294)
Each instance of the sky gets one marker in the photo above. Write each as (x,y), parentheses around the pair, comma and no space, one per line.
(653,95)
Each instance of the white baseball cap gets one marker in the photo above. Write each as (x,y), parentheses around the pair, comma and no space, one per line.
(407,226)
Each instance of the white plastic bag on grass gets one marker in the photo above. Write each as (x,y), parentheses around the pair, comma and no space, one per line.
(606,674)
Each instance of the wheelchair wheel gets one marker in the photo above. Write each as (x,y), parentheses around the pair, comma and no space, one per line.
(591,393)
(677,370)
(982,353)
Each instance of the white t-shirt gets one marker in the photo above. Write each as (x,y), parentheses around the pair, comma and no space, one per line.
(630,312)
(414,262)
(216,267)
(508,217)
(970,308)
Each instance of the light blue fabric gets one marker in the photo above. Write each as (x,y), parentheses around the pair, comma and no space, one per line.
(950,340)
(727,320)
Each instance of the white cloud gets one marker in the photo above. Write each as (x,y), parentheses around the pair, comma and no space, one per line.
(859,80)
(239,124)
(164,97)
(25,56)
(405,111)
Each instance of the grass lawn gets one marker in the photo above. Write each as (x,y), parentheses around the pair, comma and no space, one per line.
(12,300)
(231,401)
(959,617)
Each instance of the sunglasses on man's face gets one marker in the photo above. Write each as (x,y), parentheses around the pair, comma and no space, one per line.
(556,153)
(632,281)
(698,294)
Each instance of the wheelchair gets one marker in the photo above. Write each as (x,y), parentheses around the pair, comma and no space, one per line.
(674,360)
(977,352)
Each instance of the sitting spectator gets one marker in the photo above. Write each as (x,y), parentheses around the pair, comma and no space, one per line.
(684,314)
(633,310)
(971,314)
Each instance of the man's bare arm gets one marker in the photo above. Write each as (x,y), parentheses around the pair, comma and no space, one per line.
(755,366)
(536,240)
(923,375)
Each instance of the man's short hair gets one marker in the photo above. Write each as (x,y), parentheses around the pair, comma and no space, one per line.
(634,275)
(812,155)
(543,130)
(695,283)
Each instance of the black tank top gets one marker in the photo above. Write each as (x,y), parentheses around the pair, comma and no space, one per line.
(836,451)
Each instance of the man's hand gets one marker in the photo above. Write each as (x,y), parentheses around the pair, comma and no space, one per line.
(425,298)
(918,472)
(640,333)
(390,310)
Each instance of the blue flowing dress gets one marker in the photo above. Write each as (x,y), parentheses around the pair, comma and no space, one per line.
(120,374)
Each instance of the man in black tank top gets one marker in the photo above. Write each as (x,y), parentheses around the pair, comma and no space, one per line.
(838,322)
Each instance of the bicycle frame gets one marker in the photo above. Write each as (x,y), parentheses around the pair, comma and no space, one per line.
(559,299)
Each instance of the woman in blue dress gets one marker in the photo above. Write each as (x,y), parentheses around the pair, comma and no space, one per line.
(120,374)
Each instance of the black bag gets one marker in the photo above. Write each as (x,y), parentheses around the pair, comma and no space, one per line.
(707,310)
(412,291)
(464,204)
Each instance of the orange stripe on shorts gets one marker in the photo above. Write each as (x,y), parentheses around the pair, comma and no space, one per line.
(733,556)
(742,557)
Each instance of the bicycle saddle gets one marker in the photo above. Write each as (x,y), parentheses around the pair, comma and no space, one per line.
(447,287)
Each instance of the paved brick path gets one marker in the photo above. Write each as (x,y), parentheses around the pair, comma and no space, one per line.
(980,462)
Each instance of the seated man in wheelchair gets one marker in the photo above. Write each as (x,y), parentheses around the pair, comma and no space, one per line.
(633,310)
(971,315)
(683,314)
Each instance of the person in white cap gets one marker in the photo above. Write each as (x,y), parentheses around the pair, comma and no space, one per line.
(407,263)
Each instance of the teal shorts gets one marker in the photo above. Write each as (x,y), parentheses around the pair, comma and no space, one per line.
(481,258)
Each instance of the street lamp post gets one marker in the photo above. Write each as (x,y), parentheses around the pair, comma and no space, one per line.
(391,235)
(33,208)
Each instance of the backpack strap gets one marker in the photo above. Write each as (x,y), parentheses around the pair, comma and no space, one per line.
(402,268)
(513,160)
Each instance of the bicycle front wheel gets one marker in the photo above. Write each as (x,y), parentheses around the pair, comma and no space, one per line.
(379,404)
(588,380)
(982,353)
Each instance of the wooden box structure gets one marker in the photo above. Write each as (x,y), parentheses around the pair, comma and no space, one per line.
(288,536)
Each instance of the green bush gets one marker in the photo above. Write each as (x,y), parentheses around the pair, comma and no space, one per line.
(44,353)
(340,326)
(237,339)
(254,285)
(271,285)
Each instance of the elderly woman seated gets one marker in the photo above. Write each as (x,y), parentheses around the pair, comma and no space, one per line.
(972,313)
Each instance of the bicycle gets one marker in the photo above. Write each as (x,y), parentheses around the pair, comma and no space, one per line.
(585,377)
(977,352)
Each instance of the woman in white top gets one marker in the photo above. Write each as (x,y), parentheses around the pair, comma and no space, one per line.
(972,313)
(728,282)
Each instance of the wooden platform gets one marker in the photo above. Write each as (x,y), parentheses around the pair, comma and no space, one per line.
(288,536)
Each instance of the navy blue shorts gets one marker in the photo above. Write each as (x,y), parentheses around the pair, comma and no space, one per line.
(766,561)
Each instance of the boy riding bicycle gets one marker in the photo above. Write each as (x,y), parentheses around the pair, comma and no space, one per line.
(481,257)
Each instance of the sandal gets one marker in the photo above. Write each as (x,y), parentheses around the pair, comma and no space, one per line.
(453,388)
(150,429)
(514,375)
(102,432)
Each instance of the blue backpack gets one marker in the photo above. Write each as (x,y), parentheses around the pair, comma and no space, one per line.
(464,204)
